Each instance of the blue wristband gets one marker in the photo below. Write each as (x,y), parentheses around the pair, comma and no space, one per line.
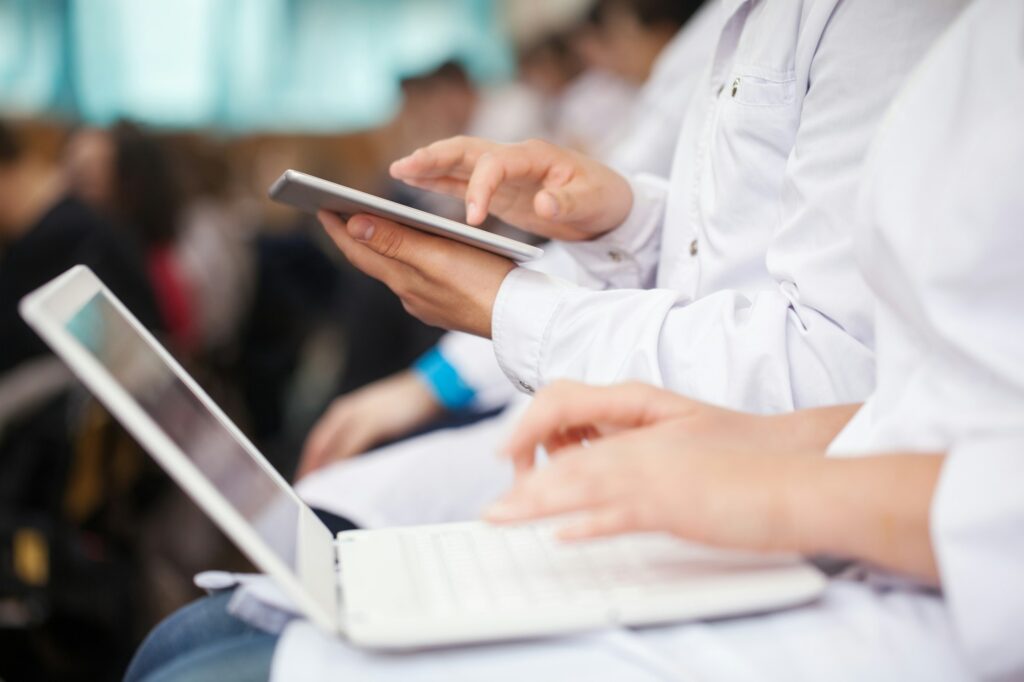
(444,380)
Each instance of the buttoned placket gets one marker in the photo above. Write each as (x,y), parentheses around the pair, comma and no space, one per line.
(737,12)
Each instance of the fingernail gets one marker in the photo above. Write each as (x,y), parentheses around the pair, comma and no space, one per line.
(361,229)
(547,204)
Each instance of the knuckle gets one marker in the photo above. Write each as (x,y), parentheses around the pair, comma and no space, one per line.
(389,243)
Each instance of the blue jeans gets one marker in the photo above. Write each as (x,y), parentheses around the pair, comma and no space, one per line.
(202,642)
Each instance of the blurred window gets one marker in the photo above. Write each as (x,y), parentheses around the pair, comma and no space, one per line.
(236,64)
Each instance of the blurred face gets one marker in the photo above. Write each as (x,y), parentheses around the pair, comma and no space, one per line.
(622,45)
(594,49)
(434,110)
(457,101)
(89,167)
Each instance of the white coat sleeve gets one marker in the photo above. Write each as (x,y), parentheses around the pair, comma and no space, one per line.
(472,357)
(781,348)
(974,309)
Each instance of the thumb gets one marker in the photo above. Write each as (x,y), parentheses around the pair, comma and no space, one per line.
(561,203)
(387,238)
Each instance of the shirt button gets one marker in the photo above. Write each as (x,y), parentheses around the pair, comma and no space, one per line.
(525,386)
(735,87)
(693,248)
(616,256)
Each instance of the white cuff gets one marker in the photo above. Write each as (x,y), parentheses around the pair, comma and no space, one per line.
(977,529)
(526,304)
(625,258)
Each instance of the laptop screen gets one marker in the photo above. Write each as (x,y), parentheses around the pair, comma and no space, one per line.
(261,499)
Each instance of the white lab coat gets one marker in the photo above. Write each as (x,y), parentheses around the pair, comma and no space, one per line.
(767,163)
(941,251)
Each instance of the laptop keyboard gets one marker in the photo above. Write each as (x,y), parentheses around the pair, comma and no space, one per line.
(485,568)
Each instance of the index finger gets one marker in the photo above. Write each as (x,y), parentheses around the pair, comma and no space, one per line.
(568,406)
(493,168)
(583,480)
(454,156)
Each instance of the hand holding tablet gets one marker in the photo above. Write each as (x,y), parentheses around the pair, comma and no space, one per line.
(312,194)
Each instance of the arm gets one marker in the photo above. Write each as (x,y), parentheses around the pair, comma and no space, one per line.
(635,458)
(875,509)
(378,412)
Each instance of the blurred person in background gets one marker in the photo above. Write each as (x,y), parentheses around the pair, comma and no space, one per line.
(68,480)
(127,174)
(660,47)
(461,373)
(44,230)
(215,250)
(439,101)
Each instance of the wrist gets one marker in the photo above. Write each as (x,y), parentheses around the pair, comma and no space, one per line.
(805,431)
(799,505)
(780,492)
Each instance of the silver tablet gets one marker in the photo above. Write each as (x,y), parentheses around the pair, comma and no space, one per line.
(312,194)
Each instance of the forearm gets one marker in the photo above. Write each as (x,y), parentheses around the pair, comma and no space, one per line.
(807,431)
(874,509)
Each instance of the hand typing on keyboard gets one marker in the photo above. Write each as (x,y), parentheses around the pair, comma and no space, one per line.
(655,461)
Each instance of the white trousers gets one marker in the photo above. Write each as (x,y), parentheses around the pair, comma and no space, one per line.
(855,632)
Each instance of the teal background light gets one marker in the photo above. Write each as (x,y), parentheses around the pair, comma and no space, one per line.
(237,65)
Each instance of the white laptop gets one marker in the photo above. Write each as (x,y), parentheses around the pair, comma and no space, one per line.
(397,588)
